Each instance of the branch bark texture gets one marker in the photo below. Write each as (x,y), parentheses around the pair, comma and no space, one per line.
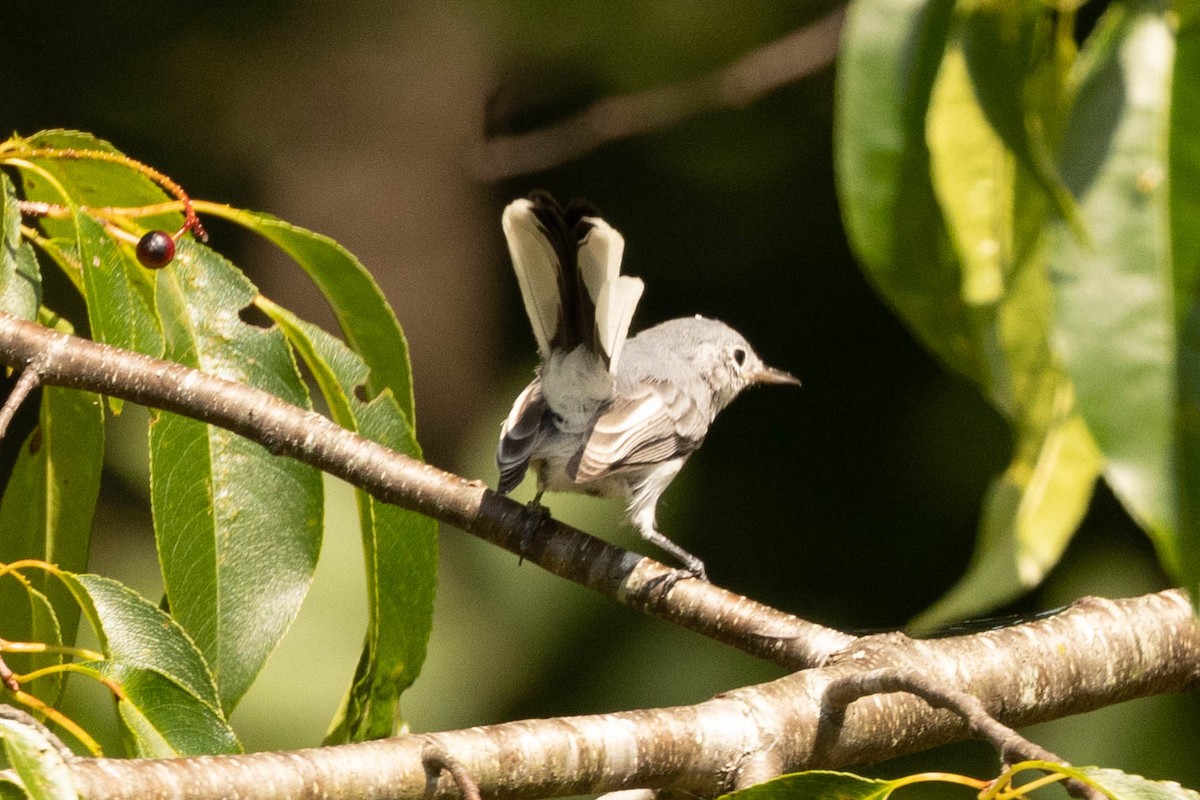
(1097,653)
(1094,654)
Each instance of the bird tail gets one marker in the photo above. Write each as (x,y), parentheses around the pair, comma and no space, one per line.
(568,264)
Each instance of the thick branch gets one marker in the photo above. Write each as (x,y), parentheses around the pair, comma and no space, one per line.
(1096,653)
(287,430)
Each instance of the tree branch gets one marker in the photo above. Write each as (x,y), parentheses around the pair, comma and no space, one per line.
(284,429)
(739,84)
(1096,653)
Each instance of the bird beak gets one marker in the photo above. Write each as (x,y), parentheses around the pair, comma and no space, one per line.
(772,375)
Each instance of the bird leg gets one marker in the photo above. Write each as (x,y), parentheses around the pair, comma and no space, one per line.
(537,513)
(645,523)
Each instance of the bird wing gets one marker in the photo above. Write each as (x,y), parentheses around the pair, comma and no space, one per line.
(655,424)
(520,434)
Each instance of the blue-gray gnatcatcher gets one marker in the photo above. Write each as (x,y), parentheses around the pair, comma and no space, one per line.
(607,415)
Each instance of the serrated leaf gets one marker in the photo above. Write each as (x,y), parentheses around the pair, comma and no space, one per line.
(1115,307)
(400,546)
(886,67)
(48,503)
(20,279)
(366,319)
(1124,786)
(161,718)
(135,633)
(238,529)
(818,785)
(43,771)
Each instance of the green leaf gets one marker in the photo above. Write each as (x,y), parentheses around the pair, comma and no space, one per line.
(161,719)
(20,279)
(1123,786)
(1115,307)
(119,291)
(133,632)
(1008,47)
(1030,514)
(38,763)
(94,183)
(818,785)
(886,67)
(400,547)
(995,212)
(48,503)
(366,319)
(238,529)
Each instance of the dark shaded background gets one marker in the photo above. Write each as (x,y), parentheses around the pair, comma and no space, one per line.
(852,501)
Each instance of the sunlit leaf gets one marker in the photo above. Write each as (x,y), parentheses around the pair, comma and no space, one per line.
(238,529)
(1114,296)
(118,290)
(995,211)
(817,785)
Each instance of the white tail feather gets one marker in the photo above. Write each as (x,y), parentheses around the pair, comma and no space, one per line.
(536,265)
(600,256)
(614,312)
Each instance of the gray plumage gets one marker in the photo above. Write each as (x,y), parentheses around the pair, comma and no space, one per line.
(606,415)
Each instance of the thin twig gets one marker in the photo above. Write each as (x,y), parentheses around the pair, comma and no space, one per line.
(1011,745)
(737,85)
(25,384)
(284,429)
(436,760)
(8,677)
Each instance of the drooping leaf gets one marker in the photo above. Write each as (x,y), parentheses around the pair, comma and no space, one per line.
(238,529)
(42,769)
(886,67)
(400,546)
(161,719)
(995,209)
(366,319)
(48,503)
(133,632)
(1115,328)
(20,279)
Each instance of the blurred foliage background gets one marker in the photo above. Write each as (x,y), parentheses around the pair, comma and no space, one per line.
(853,501)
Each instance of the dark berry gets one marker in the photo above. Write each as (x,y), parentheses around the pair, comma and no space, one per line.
(156,249)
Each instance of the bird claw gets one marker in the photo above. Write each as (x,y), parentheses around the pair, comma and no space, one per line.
(536,514)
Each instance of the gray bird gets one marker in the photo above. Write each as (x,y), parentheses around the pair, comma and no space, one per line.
(608,415)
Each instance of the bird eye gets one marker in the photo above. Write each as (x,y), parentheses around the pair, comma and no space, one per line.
(739,356)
